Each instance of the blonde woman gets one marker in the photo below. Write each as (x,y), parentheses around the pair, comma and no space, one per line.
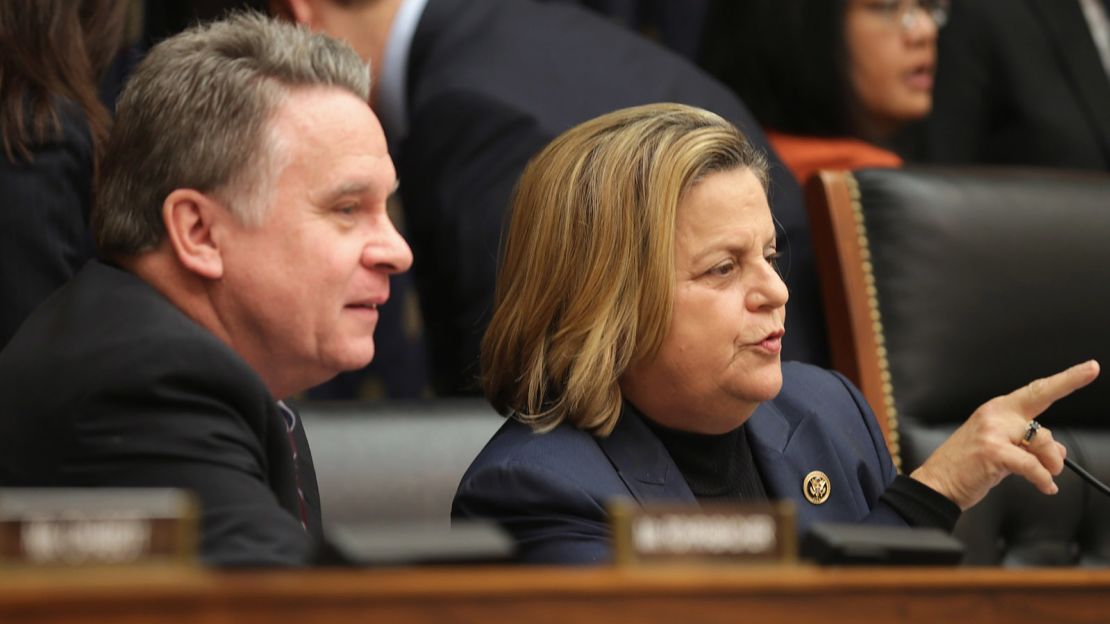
(635,347)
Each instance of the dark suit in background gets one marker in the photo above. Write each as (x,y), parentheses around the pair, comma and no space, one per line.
(677,25)
(490,82)
(44,215)
(1019,82)
(550,491)
(110,384)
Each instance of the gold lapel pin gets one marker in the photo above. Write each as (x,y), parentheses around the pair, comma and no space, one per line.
(816,487)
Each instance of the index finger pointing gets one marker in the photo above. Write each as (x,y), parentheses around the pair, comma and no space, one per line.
(1034,398)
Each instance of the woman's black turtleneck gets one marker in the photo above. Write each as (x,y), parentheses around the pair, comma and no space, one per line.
(717,467)
(720,468)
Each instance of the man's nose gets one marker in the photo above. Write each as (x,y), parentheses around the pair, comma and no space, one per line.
(387,252)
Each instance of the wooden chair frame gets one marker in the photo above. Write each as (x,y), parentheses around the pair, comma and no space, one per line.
(848,291)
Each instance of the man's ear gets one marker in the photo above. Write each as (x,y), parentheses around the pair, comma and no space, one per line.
(299,11)
(189,217)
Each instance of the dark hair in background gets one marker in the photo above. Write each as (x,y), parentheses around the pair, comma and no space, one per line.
(51,54)
(786,59)
(165,18)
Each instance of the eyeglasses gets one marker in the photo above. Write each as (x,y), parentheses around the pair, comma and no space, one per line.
(905,13)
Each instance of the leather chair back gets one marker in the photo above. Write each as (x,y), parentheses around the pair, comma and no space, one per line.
(944,288)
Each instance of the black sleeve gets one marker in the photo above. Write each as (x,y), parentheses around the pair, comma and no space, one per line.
(213,431)
(921,505)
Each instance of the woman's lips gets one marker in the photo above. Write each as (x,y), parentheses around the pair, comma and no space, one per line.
(920,79)
(772,344)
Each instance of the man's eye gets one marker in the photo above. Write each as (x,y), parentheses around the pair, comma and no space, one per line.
(347,209)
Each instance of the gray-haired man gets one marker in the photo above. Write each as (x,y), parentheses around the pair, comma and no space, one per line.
(244,248)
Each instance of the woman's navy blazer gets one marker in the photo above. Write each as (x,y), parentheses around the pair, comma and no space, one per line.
(550,490)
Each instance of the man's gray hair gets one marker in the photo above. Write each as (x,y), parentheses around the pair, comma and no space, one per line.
(196,114)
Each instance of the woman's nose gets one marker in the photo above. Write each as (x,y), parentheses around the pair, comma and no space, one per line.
(769,292)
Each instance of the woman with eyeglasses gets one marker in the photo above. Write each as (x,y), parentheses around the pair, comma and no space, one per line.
(833,81)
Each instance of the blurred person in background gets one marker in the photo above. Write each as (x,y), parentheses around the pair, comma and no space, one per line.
(677,25)
(52,130)
(1023,82)
(834,82)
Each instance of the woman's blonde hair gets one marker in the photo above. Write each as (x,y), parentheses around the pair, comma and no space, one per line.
(587,279)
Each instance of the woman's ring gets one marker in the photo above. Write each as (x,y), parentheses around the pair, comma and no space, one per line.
(1030,432)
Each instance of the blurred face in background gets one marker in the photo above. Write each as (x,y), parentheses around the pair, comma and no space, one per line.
(891,46)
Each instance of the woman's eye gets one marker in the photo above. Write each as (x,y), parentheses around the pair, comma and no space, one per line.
(887,8)
(772,258)
(723,270)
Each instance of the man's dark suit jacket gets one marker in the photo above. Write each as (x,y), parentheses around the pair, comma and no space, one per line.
(490,83)
(109,384)
(1019,82)
(550,490)
(44,215)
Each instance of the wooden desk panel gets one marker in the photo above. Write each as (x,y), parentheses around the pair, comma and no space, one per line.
(538,596)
